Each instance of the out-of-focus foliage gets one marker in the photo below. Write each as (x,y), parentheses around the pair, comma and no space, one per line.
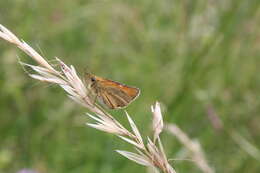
(200,59)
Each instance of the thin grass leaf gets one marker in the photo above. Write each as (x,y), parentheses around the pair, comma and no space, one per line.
(50,80)
(36,68)
(135,129)
(70,90)
(130,141)
(95,118)
(103,128)
(162,150)
(157,120)
(8,34)
(80,101)
(31,52)
(135,157)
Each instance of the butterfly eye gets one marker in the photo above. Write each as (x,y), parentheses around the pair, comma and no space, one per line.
(92,79)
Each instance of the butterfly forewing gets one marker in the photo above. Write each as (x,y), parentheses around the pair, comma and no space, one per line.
(114,94)
(111,101)
(118,95)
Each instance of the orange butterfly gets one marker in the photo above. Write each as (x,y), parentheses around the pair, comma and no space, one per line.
(113,94)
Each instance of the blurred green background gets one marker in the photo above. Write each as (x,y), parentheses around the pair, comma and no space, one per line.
(200,59)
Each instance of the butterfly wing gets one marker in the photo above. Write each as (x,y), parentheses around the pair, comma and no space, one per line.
(111,101)
(116,95)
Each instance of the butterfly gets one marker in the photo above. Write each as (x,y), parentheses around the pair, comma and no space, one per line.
(113,94)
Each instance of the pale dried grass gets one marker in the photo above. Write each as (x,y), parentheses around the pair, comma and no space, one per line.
(150,154)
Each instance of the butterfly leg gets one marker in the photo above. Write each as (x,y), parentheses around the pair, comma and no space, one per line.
(94,100)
